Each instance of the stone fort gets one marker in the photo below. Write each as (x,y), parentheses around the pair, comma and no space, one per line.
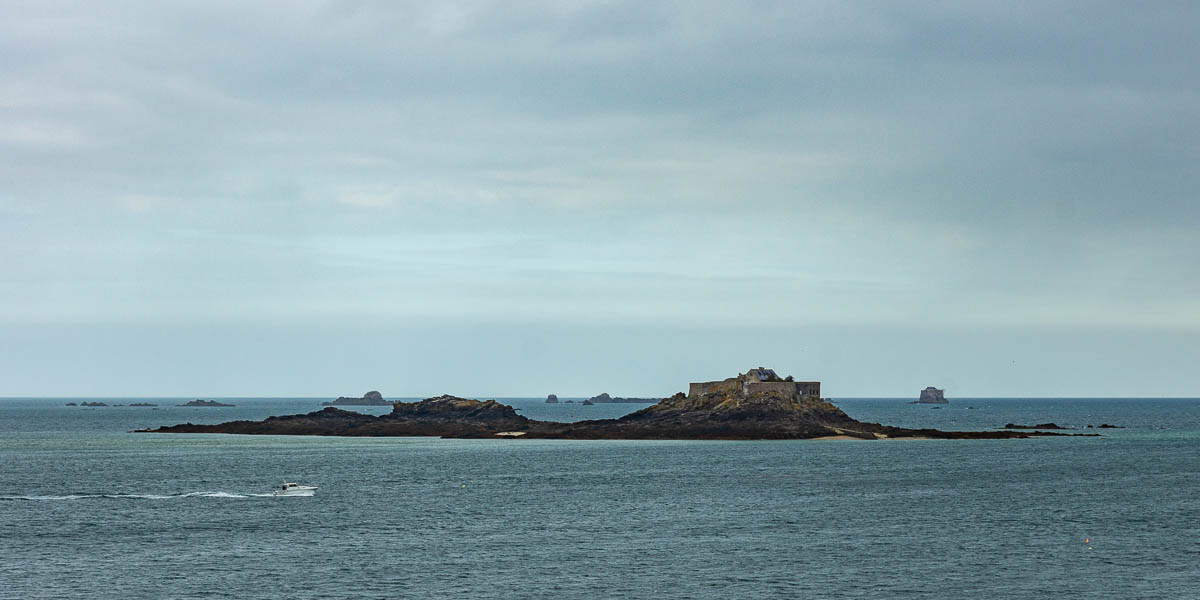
(757,381)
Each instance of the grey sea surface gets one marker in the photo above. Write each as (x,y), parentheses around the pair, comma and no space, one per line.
(90,510)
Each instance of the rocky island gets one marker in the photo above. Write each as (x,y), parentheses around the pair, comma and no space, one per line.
(932,395)
(756,405)
(552,399)
(604,398)
(209,403)
(371,398)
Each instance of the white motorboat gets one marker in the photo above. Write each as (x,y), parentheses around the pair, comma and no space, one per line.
(295,489)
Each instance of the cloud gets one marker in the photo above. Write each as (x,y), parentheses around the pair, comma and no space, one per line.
(35,136)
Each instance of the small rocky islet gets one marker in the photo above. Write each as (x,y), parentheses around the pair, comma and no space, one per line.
(756,405)
(932,395)
(372,398)
(96,404)
(1057,426)
(207,403)
(604,398)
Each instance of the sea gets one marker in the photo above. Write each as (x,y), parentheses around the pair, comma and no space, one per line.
(89,509)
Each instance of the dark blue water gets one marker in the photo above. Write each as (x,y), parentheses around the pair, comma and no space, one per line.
(88,510)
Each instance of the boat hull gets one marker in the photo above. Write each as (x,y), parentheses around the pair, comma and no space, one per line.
(308,492)
(293,489)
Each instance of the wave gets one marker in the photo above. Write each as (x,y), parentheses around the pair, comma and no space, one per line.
(217,494)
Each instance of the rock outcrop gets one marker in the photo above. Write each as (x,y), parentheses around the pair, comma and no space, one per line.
(604,398)
(715,416)
(443,416)
(210,403)
(371,398)
(1038,426)
(551,399)
(932,395)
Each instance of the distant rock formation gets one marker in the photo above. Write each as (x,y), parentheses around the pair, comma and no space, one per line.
(588,403)
(72,404)
(1038,426)
(604,398)
(768,412)
(143,404)
(209,403)
(932,395)
(551,399)
(371,398)
(92,404)
(443,416)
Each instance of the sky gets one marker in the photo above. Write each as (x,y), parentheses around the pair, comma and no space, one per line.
(302,198)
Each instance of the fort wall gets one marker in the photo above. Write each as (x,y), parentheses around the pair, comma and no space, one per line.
(774,388)
(743,387)
(728,386)
(793,389)
(808,388)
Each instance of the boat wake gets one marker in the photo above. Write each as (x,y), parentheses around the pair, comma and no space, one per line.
(231,495)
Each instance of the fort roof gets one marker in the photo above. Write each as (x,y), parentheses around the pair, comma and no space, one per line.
(763,374)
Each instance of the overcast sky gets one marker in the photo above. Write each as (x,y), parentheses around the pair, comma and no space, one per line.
(514,199)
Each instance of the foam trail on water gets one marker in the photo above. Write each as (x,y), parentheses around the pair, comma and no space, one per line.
(205,494)
(212,495)
(69,497)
